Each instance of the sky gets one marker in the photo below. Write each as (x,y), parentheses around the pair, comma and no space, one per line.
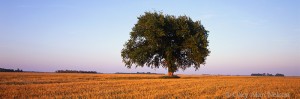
(246,36)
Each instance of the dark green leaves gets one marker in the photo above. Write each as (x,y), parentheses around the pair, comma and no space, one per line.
(168,41)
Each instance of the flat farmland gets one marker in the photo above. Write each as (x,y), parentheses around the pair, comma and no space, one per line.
(72,85)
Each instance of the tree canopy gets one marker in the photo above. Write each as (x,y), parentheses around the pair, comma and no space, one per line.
(167,41)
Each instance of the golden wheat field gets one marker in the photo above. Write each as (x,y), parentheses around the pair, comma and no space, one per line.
(68,85)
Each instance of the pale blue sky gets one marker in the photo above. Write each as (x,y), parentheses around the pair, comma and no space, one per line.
(246,36)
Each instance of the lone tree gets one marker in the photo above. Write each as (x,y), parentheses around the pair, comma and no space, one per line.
(166,40)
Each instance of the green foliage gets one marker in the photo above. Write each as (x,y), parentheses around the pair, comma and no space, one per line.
(166,40)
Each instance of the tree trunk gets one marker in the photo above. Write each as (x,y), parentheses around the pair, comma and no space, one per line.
(170,72)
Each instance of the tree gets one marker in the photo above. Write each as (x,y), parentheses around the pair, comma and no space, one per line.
(168,41)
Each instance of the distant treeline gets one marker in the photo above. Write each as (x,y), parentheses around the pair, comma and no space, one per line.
(136,73)
(266,74)
(10,70)
(74,71)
